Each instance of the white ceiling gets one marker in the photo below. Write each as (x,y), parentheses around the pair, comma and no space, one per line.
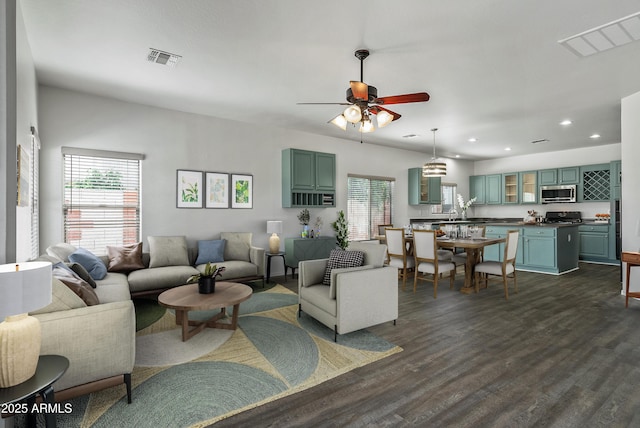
(494,68)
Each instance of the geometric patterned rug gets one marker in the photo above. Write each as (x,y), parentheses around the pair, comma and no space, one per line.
(219,373)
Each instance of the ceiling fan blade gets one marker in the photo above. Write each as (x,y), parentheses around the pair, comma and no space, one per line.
(360,90)
(334,104)
(418,97)
(376,109)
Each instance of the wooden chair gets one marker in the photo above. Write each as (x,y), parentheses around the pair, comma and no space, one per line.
(381,235)
(505,269)
(399,253)
(425,250)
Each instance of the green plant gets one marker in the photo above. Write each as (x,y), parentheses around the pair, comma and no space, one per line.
(210,271)
(304,217)
(341,227)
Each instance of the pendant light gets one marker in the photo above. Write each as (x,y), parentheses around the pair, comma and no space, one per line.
(434,168)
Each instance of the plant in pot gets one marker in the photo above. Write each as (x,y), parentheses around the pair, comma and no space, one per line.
(341,227)
(207,278)
(303,218)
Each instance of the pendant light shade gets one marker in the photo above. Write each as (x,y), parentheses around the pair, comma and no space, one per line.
(434,168)
(353,114)
(384,118)
(366,125)
(340,122)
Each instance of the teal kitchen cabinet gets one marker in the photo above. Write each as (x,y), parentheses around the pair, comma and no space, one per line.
(423,190)
(528,187)
(299,249)
(477,189)
(308,178)
(510,188)
(551,177)
(595,183)
(493,195)
(616,179)
(539,247)
(496,252)
(594,242)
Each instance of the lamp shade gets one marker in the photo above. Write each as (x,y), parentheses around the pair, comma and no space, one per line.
(24,287)
(274,227)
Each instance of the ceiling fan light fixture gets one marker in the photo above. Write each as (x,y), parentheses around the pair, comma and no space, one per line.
(366,126)
(353,114)
(340,121)
(434,168)
(384,118)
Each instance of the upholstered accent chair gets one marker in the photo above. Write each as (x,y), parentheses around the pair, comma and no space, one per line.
(399,253)
(428,266)
(504,269)
(357,297)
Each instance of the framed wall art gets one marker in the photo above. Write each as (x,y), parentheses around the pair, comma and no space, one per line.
(242,191)
(189,189)
(216,190)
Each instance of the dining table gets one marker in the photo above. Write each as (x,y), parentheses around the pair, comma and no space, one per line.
(472,246)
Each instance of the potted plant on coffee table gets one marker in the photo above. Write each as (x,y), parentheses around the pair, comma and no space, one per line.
(207,278)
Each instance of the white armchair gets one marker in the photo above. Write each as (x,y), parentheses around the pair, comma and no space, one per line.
(357,298)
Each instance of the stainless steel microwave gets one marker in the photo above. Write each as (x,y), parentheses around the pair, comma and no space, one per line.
(553,194)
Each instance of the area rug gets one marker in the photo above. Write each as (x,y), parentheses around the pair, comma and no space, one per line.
(219,373)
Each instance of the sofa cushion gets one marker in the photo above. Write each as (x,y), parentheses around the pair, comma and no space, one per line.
(168,251)
(342,259)
(113,288)
(126,258)
(159,278)
(234,269)
(237,245)
(62,299)
(374,254)
(90,262)
(210,251)
(75,283)
(61,251)
(82,273)
(318,295)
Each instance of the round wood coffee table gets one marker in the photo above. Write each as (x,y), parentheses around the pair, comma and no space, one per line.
(186,298)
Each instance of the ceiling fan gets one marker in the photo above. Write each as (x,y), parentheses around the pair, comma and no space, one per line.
(363,102)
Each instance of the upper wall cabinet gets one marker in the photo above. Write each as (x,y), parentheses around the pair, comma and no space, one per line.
(528,182)
(595,183)
(477,189)
(550,177)
(423,190)
(510,188)
(493,195)
(308,178)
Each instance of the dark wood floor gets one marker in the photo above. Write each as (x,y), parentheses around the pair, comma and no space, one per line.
(562,352)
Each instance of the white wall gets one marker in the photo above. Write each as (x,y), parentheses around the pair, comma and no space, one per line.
(174,140)
(630,202)
(559,159)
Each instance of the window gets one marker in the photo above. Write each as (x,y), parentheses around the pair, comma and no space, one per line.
(34,193)
(370,203)
(101,198)
(449,191)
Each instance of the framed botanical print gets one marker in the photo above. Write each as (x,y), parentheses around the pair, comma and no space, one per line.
(242,191)
(216,190)
(189,189)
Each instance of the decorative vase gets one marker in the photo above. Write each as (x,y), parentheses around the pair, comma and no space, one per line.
(305,231)
(464,214)
(206,285)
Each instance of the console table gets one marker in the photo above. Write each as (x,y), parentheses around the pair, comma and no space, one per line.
(298,249)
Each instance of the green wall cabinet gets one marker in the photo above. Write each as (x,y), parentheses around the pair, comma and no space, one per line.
(308,178)
(510,188)
(616,179)
(424,190)
(477,189)
(551,177)
(528,187)
(595,183)
(493,193)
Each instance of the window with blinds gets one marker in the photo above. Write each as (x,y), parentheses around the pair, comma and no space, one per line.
(101,198)
(370,203)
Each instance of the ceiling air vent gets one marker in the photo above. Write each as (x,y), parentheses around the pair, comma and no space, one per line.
(616,33)
(542,140)
(162,57)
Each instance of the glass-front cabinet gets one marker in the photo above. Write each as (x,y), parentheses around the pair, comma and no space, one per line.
(510,188)
(423,190)
(528,181)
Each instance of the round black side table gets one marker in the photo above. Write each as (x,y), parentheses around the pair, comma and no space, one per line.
(269,255)
(50,369)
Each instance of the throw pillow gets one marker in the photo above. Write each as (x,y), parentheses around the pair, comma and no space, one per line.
(62,299)
(125,259)
(82,273)
(238,245)
(168,251)
(342,259)
(61,251)
(76,284)
(90,262)
(210,251)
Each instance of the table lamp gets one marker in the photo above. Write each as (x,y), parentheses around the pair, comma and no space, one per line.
(24,287)
(274,227)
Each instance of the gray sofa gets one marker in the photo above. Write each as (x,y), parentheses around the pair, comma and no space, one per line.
(99,340)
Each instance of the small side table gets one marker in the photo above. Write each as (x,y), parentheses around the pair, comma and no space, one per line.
(50,368)
(269,256)
(631,258)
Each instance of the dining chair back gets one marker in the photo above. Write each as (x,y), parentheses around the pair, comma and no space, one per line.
(505,269)
(398,252)
(425,249)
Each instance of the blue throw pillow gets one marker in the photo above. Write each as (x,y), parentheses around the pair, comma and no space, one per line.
(210,251)
(90,262)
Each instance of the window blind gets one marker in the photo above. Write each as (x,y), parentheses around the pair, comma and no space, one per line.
(101,199)
(370,203)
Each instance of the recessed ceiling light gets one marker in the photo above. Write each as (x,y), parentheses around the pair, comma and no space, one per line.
(473,140)
(410,136)
(457,156)
(594,136)
(566,122)
(508,149)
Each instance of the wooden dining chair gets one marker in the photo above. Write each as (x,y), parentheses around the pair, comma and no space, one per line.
(398,253)
(425,250)
(505,269)
(381,236)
